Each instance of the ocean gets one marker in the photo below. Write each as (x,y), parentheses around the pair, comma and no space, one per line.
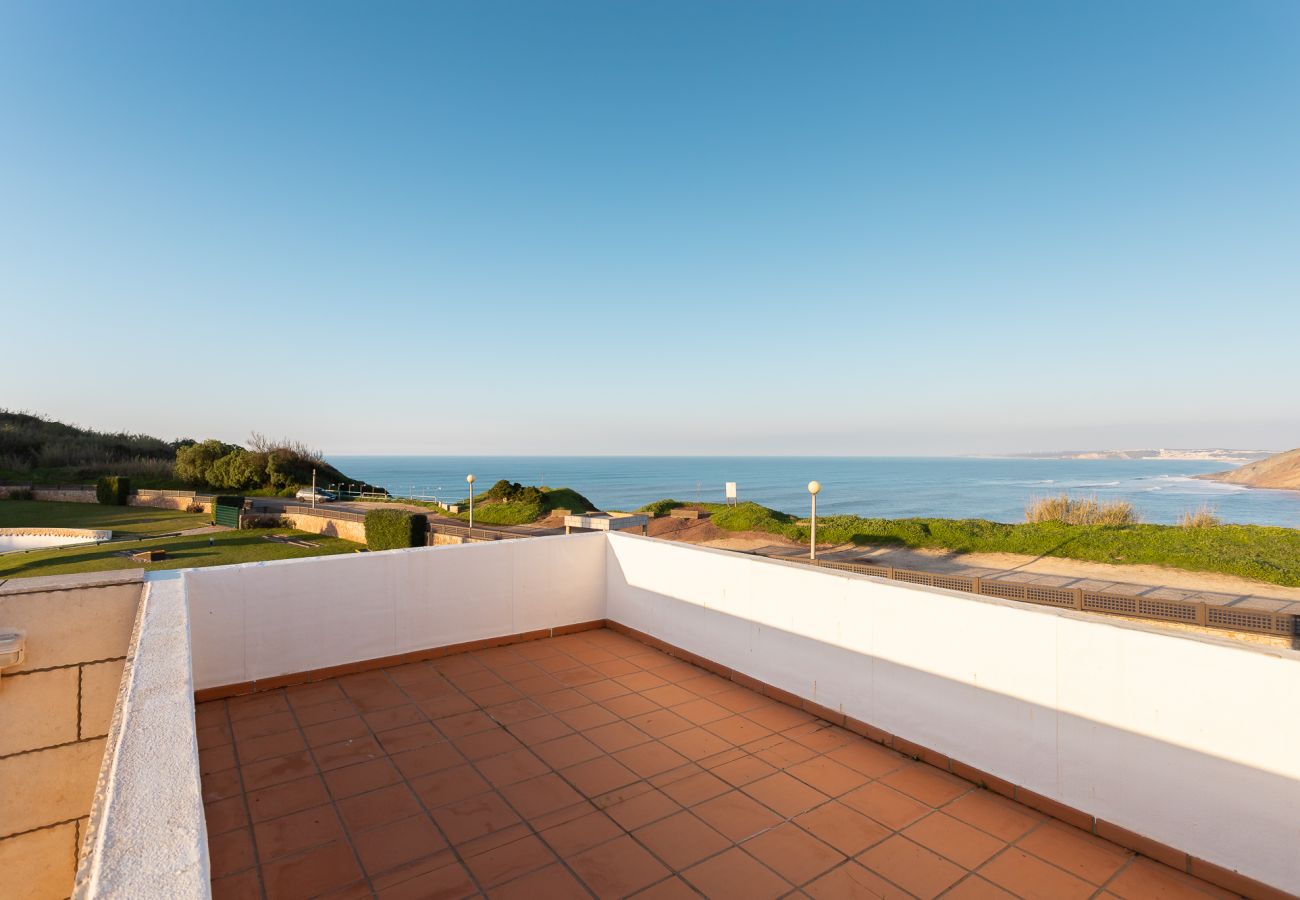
(890,487)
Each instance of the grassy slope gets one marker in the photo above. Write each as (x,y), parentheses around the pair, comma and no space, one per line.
(510,513)
(1250,551)
(182,552)
(133,519)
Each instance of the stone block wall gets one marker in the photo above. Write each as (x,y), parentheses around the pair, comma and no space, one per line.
(55,711)
(348,530)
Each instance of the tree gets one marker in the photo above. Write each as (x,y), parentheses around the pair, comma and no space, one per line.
(194,461)
(236,470)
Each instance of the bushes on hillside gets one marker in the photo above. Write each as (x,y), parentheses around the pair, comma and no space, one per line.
(395,529)
(112,490)
(513,492)
(237,470)
(194,461)
(282,465)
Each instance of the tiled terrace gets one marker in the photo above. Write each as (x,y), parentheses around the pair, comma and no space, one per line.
(592,764)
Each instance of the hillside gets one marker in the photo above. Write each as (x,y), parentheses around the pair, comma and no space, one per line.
(33,448)
(37,450)
(1281,470)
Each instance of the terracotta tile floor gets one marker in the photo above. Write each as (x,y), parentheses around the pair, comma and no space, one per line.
(593,765)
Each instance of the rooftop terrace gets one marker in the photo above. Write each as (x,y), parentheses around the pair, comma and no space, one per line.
(602,714)
(593,764)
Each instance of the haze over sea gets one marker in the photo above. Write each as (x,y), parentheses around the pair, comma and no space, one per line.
(889,487)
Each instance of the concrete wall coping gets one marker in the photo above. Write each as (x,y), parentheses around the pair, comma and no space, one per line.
(147,835)
(45,583)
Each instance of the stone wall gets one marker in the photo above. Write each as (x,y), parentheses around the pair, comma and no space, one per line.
(61,496)
(164,500)
(55,710)
(343,528)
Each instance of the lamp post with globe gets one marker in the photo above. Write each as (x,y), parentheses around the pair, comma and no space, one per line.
(814,488)
(470,479)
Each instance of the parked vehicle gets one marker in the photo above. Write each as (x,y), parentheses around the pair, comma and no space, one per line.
(320,495)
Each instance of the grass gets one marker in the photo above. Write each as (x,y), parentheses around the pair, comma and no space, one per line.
(523,512)
(131,519)
(1260,552)
(1081,511)
(1204,516)
(186,551)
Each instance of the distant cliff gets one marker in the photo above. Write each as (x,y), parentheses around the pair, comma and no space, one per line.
(1217,454)
(1281,470)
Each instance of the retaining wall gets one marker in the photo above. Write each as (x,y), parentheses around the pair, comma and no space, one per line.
(55,711)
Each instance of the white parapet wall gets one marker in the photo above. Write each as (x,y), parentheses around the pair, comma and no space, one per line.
(147,836)
(260,620)
(1188,740)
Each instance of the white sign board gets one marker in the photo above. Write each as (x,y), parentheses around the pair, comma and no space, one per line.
(731,490)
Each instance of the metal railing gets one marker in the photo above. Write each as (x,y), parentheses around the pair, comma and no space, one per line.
(1186,612)
(324,512)
(476,534)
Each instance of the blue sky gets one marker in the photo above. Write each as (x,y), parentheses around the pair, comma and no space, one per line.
(615,227)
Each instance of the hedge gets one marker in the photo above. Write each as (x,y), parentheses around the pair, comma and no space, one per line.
(394,529)
(112,490)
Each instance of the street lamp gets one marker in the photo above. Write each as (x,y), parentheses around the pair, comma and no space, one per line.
(470,479)
(814,488)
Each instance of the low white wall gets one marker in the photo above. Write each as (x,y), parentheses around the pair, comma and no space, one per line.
(147,836)
(259,620)
(1191,741)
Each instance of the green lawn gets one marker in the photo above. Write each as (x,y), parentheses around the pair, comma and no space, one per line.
(133,519)
(1251,551)
(247,545)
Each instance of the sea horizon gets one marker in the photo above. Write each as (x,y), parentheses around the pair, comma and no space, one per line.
(995,488)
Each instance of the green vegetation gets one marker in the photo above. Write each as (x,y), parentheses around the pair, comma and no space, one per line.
(660,507)
(268,468)
(1250,551)
(186,551)
(510,503)
(38,450)
(113,490)
(395,529)
(120,519)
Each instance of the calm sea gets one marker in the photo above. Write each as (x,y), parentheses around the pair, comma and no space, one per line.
(870,486)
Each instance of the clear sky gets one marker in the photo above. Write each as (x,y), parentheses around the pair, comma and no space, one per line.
(655,227)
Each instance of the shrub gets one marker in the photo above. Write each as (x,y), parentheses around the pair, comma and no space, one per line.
(1080,511)
(112,490)
(269,520)
(395,529)
(194,461)
(1204,516)
(237,469)
(20,494)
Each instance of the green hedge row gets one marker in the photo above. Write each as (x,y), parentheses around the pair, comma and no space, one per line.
(394,529)
(112,490)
